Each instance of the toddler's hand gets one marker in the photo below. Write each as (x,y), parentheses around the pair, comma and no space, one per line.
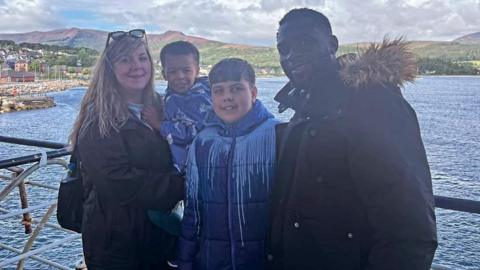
(151,116)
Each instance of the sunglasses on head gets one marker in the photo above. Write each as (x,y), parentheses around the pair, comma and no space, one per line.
(117,35)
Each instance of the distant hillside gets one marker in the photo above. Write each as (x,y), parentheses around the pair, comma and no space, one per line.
(431,49)
(211,51)
(464,48)
(73,37)
(93,39)
(265,59)
(473,38)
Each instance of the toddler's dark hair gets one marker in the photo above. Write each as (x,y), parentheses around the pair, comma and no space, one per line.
(179,48)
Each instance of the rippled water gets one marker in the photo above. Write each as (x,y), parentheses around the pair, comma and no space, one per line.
(448,109)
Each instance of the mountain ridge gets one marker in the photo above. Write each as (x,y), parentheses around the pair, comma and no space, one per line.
(94,39)
(263,58)
(473,38)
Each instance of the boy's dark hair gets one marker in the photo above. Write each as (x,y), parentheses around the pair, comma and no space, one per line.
(232,69)
(301,13)
(179,48)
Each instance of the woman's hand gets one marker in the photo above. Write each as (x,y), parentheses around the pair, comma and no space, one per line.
(151,116)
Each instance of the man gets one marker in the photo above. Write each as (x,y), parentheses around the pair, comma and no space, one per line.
(353,188)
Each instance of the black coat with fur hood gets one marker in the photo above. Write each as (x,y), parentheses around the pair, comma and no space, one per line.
(354,188)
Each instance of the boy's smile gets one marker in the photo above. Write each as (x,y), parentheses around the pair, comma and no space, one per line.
(232,100)
(180,71)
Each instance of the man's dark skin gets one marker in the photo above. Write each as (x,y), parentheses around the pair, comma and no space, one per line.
(353,187)
(306,51)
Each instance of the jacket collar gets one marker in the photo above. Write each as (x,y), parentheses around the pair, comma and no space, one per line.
(133,123)
(325,97)
(255,117)
(201,86)
(134,120)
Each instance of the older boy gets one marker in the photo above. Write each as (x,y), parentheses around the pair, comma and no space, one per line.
(229,176)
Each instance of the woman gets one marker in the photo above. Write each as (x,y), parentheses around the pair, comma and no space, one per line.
(126,166)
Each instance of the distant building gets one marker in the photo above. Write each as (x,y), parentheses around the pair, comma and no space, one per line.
(21,65)
(4,76)
(5,66)
(59,68)
(10,62)
(43,68)
(3,54)
(5,73)
(22,76)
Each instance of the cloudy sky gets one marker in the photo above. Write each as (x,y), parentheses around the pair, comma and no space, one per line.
(248,21)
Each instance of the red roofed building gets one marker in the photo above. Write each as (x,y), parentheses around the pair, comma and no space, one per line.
(22,76)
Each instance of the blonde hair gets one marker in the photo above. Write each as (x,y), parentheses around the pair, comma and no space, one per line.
(103,105)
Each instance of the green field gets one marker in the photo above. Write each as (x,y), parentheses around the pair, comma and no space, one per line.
(475,63)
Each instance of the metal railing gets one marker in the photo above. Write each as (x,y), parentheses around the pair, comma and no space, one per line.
(18,180)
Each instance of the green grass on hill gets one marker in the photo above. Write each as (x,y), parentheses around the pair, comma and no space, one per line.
(429,49)
(475,63)
(433,57)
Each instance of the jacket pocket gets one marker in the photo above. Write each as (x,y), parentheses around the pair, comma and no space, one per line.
(338,248)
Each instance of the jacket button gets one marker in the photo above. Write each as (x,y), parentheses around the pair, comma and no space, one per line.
(296,225)
(349,235)
(270,257)
(319,179)
(313,132)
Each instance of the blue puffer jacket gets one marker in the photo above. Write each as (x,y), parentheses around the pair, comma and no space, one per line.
(185,115)
(230,170)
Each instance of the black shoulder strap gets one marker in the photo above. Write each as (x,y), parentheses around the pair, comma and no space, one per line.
(74,164)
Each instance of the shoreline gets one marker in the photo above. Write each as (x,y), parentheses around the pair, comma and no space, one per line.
(41,87)
(15,104)
(452,76)
(32,95)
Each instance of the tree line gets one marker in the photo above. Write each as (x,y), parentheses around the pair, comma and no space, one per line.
(52,54)
(439,66)
(265,60)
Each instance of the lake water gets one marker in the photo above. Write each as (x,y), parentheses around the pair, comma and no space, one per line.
(448,110)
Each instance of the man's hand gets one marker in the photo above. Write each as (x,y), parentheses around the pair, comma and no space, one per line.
(151,116)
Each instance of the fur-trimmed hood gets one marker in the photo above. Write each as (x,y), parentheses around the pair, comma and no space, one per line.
(386,63)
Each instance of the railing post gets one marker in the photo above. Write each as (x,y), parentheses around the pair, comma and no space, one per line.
(27,219)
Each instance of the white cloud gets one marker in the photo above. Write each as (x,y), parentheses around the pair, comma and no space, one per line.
(26,15)
(416,19)
(256,22)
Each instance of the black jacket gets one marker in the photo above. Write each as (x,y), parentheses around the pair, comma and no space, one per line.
(125,174)
(354,188)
